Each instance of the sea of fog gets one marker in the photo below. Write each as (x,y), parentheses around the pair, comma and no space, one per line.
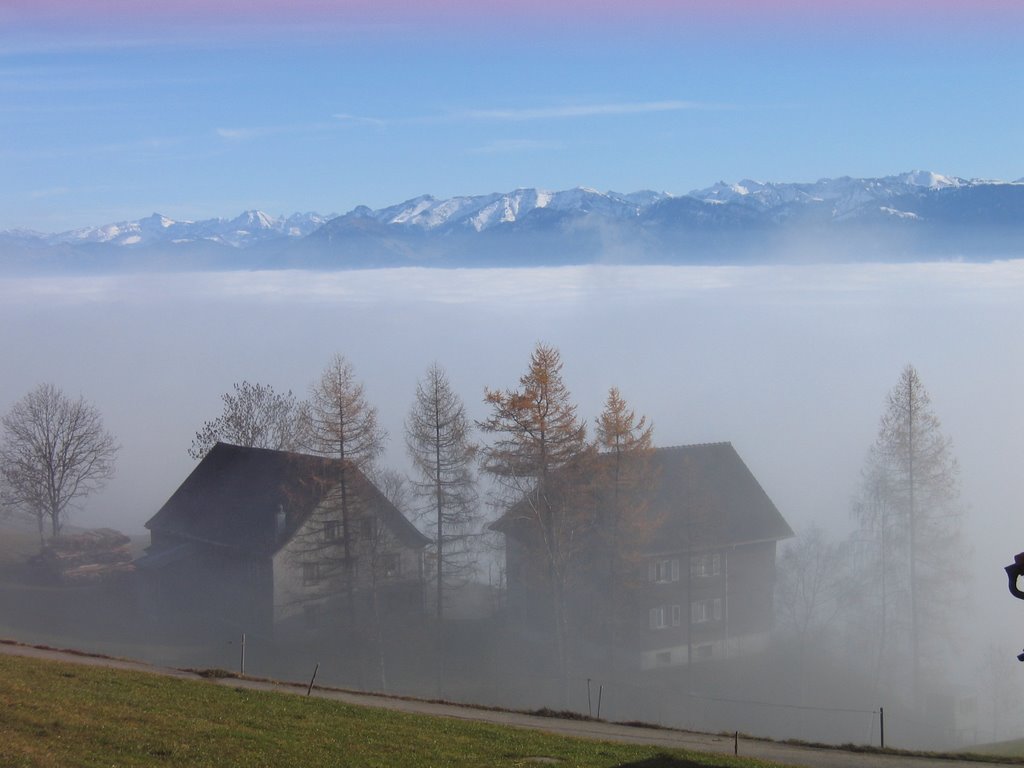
(792,364)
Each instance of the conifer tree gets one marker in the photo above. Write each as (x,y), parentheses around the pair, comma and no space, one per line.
(438,440)
(624,481)
(343,425)
(912,511)
(540,456)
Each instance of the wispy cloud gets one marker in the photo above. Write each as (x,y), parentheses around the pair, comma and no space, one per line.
(39,194)
(505,146)
(347,118)
(568,111)
(515,114)
(238,134)
(261,131)
(138,146)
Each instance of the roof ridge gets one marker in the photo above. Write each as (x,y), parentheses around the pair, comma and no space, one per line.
(282,452)
(693,445)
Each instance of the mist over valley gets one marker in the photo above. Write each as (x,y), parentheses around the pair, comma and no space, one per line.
(791,364)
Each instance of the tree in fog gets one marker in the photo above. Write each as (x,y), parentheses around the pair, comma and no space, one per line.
(437,436)
(910,519)
(55,451)
(376,546)
(540,457)
(809,586)
(343,425)
(437,433)
(624,482)
(393,484)
(254,416)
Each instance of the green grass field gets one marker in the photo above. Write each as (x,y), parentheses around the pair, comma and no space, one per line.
(55,714)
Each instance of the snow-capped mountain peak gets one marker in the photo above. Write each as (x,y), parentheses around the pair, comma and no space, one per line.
(917,203)
(927,179)
(254,219)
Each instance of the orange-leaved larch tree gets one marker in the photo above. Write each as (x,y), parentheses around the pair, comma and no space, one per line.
(624,481)
(541,459)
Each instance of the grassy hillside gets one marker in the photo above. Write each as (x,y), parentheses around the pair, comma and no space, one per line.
(54,714)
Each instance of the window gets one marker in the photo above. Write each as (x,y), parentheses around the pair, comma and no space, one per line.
(657,618)
(392,564)
(332,530)
(310,574)
(702,611)
(663,571)
(704,566)
(663,658)
(703,652)
(366,528)
(661,615)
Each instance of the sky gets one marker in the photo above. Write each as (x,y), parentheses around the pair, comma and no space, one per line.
(111,110)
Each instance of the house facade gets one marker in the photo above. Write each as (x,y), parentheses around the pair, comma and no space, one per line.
(255,540)
(699,584)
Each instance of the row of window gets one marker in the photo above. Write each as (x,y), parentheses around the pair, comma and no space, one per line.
(701,611)
(390,565)
(701,566)
(333,529)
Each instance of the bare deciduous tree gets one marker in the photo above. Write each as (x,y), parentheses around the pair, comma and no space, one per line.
(254,416)
(55,451)
(808,587)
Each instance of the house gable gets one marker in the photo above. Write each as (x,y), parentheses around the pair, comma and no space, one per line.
(256,499)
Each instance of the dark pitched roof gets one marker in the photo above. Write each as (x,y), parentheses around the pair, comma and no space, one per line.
(702,496)
(233,496)
(706,495)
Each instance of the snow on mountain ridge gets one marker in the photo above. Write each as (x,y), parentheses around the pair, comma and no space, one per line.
(247,227)
(840,198)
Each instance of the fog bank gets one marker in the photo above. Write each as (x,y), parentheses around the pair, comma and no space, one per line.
(790,364)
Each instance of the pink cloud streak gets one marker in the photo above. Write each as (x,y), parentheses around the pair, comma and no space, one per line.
(239,20)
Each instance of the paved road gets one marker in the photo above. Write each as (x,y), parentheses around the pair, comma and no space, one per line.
(701,742)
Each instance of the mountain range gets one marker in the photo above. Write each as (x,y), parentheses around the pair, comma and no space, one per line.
(918,215)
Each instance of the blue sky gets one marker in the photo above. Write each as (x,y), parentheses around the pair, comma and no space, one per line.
(196,117)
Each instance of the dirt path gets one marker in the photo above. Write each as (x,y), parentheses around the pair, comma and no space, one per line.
(766,750)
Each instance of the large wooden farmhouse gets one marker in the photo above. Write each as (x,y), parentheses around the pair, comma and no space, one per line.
(700,584)
(255,540)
